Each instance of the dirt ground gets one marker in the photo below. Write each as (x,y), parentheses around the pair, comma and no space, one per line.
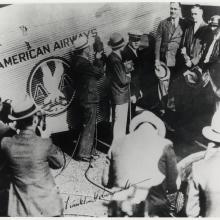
(83,197)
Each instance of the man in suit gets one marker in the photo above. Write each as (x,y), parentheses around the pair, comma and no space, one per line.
(210,60)
(119,83)
(204,190)
(85,76)
(190,100)
(130,57)
(168,38)
(33,191)
(144,158)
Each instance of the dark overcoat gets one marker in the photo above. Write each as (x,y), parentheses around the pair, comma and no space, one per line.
(33,191)
(119,81)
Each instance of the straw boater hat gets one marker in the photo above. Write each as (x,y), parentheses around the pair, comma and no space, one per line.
(162,72)
(213,132)
(23,109)
(81,43)
(116,41)
(148,117)
(135,35)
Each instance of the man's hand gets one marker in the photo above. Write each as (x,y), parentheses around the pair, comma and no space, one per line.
(157,64)
(128,75)
(98,55)
(206,78)
(183,51)
(192,78)
(133,99)
(189,63)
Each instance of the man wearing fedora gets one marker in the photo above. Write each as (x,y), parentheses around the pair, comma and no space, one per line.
(85,75)
(204,190)
(144,159)
(33,191)
(130,56)
(119,84)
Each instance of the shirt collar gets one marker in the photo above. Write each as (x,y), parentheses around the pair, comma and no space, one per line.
(134,51)
(118,54)
(27,132)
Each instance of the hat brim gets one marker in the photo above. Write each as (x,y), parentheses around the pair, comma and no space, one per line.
(13,118)
(117,47)
(167,72)
(210,134)
(148,117)
(82,47)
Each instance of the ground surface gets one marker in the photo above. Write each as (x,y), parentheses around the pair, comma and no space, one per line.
(82,198)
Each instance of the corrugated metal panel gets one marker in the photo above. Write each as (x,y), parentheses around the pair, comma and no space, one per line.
(55,27)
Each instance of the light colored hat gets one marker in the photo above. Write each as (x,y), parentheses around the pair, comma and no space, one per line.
(23,109)
(81,43)
(116,41)
(135,35)
(214,20)
(213,132)
(197,79)
(162,72)
(149,117)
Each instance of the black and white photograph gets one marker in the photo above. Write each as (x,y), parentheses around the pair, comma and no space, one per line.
(110,109)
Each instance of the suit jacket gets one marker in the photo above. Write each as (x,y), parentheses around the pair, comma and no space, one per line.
(139,156)
(118,79)
(32,190)
(195,42)
(168,41)
(129,55)
(204,190)
(86,76)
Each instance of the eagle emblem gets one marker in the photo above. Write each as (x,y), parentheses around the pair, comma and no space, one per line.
(50,85)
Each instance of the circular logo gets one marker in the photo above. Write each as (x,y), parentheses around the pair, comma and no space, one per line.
(50,85)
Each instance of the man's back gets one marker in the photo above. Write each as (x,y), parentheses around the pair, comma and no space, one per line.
(206,178)
(33,191)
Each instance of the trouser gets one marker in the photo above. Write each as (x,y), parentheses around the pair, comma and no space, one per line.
(192,102)
(119,120)
(88,124)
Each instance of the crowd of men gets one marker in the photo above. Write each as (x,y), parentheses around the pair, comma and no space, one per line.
(152,87)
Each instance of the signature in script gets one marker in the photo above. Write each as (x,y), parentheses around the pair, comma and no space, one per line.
(97,196)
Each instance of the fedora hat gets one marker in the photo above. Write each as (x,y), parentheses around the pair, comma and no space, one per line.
(116,41)
(213,132)
(81,43)
(151,118)
(162,72)
(197,78)
(23,109)
(135,35)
